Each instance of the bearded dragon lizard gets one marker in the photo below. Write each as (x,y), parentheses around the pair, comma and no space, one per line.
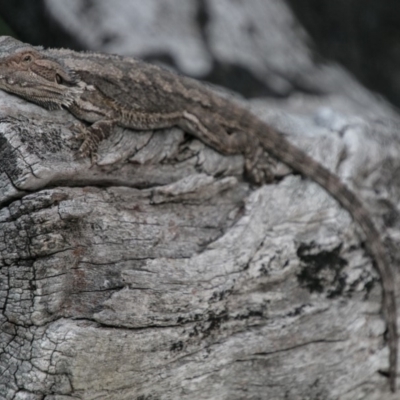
(106,91)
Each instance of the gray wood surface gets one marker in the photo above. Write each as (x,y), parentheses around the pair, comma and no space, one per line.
(161,274)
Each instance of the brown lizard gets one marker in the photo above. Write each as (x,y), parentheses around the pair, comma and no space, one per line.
(106,91)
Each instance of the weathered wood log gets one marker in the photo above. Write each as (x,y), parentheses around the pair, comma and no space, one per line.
(160,273)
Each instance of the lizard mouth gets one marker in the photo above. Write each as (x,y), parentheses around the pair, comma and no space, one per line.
(43,93)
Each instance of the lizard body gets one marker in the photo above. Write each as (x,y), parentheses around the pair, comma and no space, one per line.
(105,91)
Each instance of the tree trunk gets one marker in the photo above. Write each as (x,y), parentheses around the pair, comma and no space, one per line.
(160,273)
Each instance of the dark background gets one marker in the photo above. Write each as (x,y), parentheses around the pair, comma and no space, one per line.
(362,35)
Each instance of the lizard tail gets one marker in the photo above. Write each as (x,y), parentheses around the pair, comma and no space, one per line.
(277,145)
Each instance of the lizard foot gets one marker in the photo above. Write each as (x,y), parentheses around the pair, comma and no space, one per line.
(260,168)
(92,136)
(91,139)
(88,149)
(82,133)
(79,130)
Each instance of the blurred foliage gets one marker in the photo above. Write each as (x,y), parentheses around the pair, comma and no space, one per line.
(5,29)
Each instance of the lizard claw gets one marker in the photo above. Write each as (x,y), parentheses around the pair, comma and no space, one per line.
(260,168)
(79,130)
(93,159)
(93,156)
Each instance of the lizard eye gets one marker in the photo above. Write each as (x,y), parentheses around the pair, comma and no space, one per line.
(59,79)
(27,58)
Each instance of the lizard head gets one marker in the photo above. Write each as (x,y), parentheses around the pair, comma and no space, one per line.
(40,79)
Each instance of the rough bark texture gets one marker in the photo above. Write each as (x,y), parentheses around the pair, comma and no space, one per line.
(167,276)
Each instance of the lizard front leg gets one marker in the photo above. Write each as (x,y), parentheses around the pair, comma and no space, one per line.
(92,135)
(92,107)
